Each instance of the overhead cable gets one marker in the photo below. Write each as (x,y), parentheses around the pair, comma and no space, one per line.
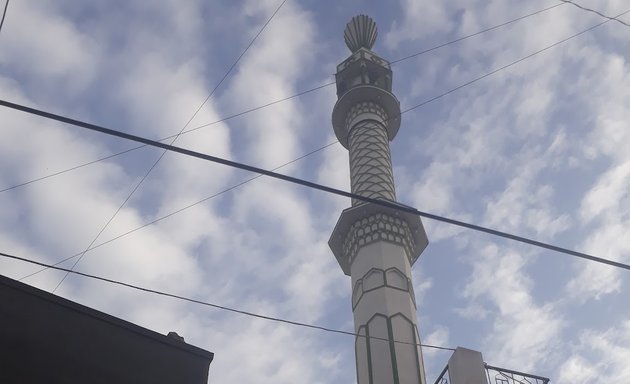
(596,12)
(4,13)
(309,184)
(155,163)
(182,209)
(477,33)
(216,306)
(435,98)
(278,100)
(72,168)
(510,64)
(168,137)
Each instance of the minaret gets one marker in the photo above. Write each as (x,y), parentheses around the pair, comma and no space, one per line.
(376,245)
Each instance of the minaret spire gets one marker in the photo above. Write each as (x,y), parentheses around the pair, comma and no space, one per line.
(375,245)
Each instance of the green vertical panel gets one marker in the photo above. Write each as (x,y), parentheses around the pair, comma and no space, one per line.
(392,349)
(380,352)
(406,352)
(362,355)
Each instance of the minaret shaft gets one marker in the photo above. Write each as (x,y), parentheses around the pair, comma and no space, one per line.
(384,310)
(376,245)
(370,159)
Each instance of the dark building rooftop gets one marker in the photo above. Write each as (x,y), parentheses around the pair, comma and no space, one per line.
(45,338)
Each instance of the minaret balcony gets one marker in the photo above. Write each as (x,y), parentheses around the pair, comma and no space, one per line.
(363,67)
(366,223)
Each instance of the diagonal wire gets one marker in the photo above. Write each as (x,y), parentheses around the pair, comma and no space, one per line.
(404,111)
(379,202)
(72,168)
(282,99)
(166,138)
(217,306)
(146,175)
(183,208)
(4,13)
(510,64)
(596,12)
(477,33)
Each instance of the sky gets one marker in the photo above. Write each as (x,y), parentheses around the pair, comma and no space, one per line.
(540,149)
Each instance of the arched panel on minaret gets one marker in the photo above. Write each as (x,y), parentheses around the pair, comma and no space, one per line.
(377,278)
(396,279)
(407,357)
(374,279)
(383,370)
(357,292)
(362,353)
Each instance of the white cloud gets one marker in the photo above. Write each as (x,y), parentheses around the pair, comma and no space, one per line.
(472,311)
(577,370)
(596,280)
(269,71)
(420,19)
(608,194)
(606,204)
(44,47)
(600,356)
(523,331)
(439,337)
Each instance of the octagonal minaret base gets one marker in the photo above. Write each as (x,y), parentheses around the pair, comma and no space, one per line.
(384,307)
(377,246)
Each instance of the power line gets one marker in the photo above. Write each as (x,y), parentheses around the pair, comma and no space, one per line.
(72,168)
(146,175)
(411,108)
(216,306)
(282,99)
(168,137)
(477,33)
(309,184)
(510,64)
(183,208)
(488,74)
(203,200)
(596,12)
(4,13)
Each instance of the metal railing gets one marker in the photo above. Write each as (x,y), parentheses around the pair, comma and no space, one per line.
(444,377)
(498,375)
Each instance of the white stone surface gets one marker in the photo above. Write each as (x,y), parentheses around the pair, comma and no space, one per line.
(466,367)
(388,312)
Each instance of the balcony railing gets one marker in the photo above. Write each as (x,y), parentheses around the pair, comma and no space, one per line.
(507,376)
(444,377)
(498,375)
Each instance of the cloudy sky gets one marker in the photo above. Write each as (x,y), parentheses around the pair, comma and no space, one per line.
(540,149)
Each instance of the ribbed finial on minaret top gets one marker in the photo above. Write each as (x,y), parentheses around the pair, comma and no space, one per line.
(360,32)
